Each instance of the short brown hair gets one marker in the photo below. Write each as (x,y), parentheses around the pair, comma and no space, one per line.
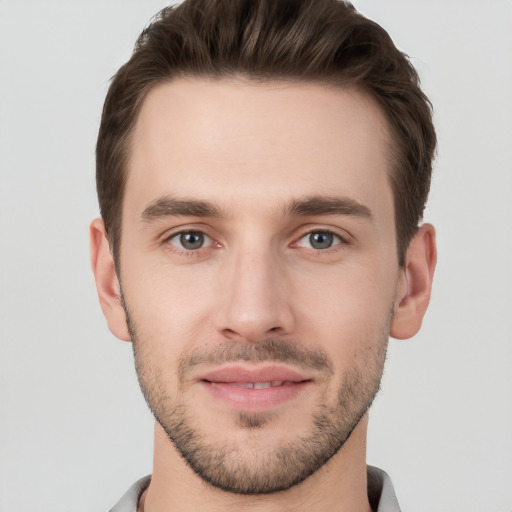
(324,41)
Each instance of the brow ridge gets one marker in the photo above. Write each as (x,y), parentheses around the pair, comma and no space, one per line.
(168,206)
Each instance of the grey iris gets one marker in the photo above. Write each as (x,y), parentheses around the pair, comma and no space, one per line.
(321,240)
(192,240)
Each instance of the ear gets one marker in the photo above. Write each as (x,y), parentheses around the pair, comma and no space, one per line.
(107,283)
(415,285)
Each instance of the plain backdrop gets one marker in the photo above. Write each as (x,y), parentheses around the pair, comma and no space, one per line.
(74,429)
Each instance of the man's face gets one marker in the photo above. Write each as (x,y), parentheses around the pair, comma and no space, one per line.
(259,272)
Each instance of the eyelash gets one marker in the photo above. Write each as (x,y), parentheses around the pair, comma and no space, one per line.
(188,252)
(343,241)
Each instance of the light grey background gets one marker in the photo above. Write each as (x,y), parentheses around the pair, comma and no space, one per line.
(74,430)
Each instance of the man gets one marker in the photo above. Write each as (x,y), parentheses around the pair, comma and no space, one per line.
(262,168)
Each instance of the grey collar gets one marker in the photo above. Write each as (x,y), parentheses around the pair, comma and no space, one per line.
(380,493)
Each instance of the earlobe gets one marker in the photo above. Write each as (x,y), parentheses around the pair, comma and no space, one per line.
(414,288)
(107,283)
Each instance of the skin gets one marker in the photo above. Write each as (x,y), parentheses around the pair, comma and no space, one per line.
(251,150)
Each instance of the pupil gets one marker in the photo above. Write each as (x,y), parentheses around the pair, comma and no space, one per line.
(321,240)
(192,240)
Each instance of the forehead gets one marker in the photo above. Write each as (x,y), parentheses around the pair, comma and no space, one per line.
(238,142)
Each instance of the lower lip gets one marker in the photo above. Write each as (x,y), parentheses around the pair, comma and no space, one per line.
(250,399)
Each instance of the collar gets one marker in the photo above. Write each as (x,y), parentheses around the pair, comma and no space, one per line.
(380,493)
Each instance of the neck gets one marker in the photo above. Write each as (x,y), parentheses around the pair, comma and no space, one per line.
(340,485)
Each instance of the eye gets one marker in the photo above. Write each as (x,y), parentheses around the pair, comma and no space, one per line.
(190,240)
(320,240)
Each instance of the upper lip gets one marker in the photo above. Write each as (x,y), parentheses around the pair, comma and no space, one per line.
(238,373)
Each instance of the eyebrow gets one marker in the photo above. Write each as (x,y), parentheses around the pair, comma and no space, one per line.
(325,205)
(167,206)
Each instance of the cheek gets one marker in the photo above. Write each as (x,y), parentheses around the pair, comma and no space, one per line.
(348,310)
(343,307)
(168,303)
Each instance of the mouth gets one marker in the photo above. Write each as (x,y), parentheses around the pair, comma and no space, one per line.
(258,385)
(254,389)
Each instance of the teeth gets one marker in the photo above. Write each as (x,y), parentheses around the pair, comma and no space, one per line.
(241,384)
(261,385)
(257,385)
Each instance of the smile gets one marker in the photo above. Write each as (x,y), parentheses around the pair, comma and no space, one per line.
(251,390)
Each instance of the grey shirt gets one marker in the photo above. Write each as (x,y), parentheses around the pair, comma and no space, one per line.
(380,493)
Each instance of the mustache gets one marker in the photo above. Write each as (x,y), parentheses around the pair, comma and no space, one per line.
(266,351)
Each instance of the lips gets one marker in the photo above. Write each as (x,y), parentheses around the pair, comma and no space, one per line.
(255,389)
(239,374)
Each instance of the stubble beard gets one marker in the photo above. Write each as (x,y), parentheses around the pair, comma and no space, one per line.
(249,469)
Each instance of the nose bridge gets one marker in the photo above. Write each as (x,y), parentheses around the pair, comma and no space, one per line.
(256,302)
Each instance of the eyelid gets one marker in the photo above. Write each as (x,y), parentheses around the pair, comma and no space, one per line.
(185,228)
(308,246)
(207,240)
(180,230)
(345,237)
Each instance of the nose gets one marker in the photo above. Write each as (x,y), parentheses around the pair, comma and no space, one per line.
(255,300)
